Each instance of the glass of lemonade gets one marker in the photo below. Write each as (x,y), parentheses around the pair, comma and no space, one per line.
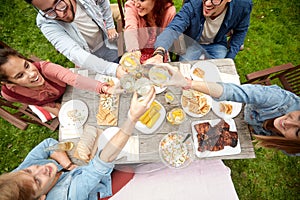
(159,75)
(131,64)
(61,146)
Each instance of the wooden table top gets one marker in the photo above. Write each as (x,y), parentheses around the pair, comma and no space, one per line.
(148,143)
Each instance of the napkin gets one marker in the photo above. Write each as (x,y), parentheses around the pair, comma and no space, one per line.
(130,150)
(230,78)
(43,114)
(70,132)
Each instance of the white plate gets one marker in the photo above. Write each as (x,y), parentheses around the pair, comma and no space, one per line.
(236,109)
(144,129)
(79,116)
(186,109)
(211,71)
(228,150)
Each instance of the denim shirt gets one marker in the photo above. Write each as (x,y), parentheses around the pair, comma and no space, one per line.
(190,21)
(68,40)
(81,183)
(262,102)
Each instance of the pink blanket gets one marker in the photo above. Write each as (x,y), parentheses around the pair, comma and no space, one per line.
(203,179)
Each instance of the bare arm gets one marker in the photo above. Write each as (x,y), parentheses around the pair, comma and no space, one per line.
(118,141)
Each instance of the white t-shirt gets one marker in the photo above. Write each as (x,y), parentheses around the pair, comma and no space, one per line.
(89,29)
(211,28)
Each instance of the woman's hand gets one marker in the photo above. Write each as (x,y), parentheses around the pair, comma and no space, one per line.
(112,89)
(155,59)
(138,107)
(177,79)
(112,34)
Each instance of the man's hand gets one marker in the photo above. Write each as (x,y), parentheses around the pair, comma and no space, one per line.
(112,34)
(155,59)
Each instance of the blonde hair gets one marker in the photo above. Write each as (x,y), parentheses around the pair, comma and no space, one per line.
(14,187)
(290,146)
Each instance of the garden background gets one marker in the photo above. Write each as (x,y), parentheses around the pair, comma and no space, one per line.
(272,39)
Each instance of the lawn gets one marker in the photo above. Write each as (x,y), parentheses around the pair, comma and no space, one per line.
(273,39)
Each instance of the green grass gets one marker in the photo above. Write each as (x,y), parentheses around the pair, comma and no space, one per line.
(273,39)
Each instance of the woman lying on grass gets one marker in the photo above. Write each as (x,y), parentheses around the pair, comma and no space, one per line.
(272,112)
(40,83)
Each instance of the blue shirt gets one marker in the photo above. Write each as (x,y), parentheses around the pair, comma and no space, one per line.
(81,183)
(190,21)
(262,102)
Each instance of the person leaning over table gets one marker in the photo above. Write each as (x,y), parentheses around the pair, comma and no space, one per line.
(39,177)
(206,24)
(144,20)
(83,31)
(272,112)
(41,83)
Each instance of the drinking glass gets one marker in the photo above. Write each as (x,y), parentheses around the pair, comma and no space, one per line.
(127,82)
(61,146)
(159,75)
(143,86)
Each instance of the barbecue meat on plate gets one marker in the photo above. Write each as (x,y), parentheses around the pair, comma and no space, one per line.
(216,137)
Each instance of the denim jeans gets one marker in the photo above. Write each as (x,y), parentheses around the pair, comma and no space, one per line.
(215,50)
(107,54)
(209,51)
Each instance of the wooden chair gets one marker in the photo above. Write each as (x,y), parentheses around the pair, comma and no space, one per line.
(178,47)
(19,114)
(287,75)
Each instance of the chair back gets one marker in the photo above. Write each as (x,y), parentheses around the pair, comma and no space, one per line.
(286,75)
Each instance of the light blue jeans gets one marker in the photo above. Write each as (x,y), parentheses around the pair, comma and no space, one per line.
(209,51)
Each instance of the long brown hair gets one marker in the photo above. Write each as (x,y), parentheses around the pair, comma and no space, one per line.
(14,187)
(160,6)
(290,146)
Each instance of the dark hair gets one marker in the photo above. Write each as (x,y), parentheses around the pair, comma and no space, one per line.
(160,6)
(4,54)
(13,187)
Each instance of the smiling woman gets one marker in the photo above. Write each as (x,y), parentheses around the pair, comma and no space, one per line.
(40,83)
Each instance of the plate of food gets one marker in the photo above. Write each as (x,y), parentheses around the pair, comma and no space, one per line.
(152,119)
(226,109)
(195,104)
(215,138)
(205,71)
(107,114)
(174,152)
(73,114)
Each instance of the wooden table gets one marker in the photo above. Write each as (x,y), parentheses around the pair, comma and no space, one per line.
(148,144)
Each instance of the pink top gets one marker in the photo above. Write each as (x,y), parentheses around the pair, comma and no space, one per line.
(133,22)
(56,79)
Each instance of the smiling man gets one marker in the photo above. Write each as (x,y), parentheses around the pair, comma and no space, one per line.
(206,23)
(44,175)
(83,31)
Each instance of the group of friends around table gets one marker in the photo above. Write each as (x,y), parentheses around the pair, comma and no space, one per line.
(84,32)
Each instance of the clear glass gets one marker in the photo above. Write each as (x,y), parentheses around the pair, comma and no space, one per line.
(131,64)
(61,146)
(127,82)
(143,86)
(169,97)
(159,75)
